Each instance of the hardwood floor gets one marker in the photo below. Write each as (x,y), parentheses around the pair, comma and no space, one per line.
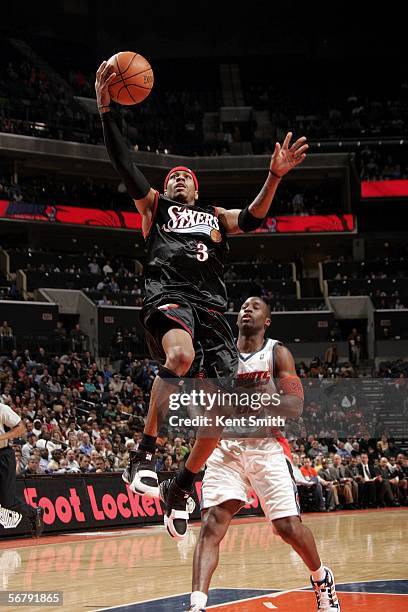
(106,569)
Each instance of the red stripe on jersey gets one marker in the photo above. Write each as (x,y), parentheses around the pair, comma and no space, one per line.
(285,446)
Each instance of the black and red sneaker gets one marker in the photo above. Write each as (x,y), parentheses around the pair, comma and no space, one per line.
(140,474)
(177,502)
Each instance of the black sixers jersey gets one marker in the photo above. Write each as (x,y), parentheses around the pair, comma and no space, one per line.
(186,252)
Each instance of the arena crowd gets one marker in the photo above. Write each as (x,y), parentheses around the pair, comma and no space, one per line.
(86,417)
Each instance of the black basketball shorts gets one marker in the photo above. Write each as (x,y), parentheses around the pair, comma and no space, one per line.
(216,355)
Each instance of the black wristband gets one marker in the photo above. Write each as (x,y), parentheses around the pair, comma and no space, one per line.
(169,376)
(102,112)
(275,175)
(247,222)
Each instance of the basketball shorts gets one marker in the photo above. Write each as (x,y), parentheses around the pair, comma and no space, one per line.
(216,355)
(240,465)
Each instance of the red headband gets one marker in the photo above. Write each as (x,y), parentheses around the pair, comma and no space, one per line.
(183,169)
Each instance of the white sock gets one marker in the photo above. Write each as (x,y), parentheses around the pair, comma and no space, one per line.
(319,574)
(198,598)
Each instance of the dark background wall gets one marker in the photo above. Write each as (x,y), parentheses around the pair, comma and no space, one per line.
(208,28)
(30,318)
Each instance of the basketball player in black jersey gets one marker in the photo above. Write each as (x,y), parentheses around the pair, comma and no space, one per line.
(185,292)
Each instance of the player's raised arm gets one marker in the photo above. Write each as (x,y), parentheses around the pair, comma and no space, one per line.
(288,383)
(284,158)
(136,183)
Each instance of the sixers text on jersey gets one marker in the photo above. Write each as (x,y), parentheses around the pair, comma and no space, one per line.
(186,252)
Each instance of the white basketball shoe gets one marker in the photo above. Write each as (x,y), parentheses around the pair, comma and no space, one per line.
(325,591)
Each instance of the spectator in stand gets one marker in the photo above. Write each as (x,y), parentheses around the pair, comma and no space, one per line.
(28,447)
(33,467)
(129,388)
(343,478)
(371,483)
(348,447)
(401,470)
(116,385)
(308,471)
(389,490)
(89,386)
(297,473)
(318,463)
(305,486)
(180,450)
(6,337)
(99,446)
(103,284)
(73,441)
(60,338)
(127,364)
(85,464)
(330,492)
(86,447)
(331,356)
(99,384)
(19,460)
(77,339)
(5,329)
(100,465)
(342,488)
(55,464)
(352,472)
(383,445)
(93,267)
(107,268)
(72,463)
(315,450)
(94,455)
(393,450)
(113,286)
(45,443)
(355,342)
(341,450)
(44,461)
(364,443)
(168,464)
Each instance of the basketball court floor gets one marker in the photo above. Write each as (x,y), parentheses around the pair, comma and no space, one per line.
(143,570)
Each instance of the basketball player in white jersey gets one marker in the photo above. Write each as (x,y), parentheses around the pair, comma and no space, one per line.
(239,464)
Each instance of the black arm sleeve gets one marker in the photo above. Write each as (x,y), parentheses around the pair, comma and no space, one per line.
(135,181)
(247,222)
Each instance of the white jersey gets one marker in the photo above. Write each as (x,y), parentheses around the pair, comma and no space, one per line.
(256,374)
(259,367)
(8,418)
(248,461)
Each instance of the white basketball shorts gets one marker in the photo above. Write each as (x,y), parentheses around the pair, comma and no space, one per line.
(239,465)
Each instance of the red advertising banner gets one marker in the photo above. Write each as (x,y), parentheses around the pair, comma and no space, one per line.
(293,224)
(89,501)
(384,189)
(59,213)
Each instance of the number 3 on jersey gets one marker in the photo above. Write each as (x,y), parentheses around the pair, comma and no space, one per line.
(202,251)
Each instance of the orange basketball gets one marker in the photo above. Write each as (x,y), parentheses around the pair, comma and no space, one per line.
(134,78)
